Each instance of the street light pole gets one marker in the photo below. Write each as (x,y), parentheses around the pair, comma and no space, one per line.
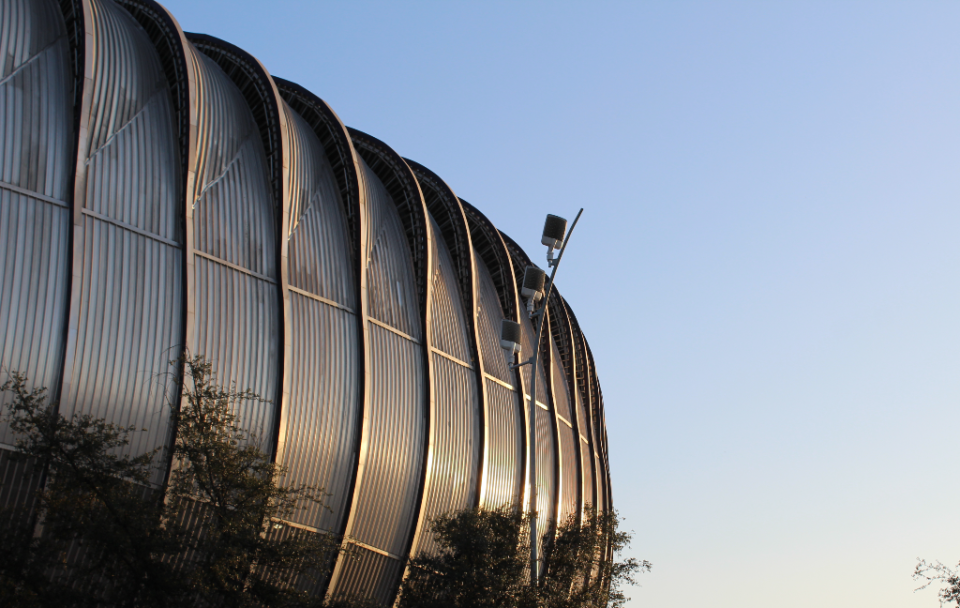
(534,571)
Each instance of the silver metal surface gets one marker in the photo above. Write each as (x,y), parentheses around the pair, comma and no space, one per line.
(125,313)
(234,284)
(451,476)
(201,212)
(388,481)
(320,418)
(503,482)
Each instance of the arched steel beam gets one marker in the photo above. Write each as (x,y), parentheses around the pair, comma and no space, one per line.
(489,244)
(562,333)
(264,100)
(446,210)
(344,161)
(403,188)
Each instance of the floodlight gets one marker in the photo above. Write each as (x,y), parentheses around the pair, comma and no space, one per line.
(554,229)
(510,336)
(533,282)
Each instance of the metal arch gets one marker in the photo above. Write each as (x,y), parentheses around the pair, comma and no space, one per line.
(345,162)
(169,40)
(586,399)
(38,187)
(340,153)
(493,251)
(264,101)
(96,228)
(562,332)
(446,209)
(489,243)
(402,186)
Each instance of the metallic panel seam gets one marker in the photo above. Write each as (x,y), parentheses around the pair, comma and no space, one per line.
(394,330)
(323,300)
(223,262)
(126,226)
(450,357)
(32,194)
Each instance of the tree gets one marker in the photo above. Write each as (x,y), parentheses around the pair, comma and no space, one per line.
(98,534)
(483,562)
(935,572)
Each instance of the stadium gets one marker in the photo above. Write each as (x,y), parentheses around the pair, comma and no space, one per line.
(162,194)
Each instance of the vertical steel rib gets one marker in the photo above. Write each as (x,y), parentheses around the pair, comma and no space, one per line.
(461,410)
(266,105)
(505,405)
(343,159)
(126,304)
(388,492)
(564,334)
(37,156)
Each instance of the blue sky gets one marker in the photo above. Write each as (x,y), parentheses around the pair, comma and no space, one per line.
(766,267)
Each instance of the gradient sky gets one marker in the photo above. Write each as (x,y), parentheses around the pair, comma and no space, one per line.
(766,267)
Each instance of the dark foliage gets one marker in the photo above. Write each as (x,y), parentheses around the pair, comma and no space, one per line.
(97,533)
(483,561)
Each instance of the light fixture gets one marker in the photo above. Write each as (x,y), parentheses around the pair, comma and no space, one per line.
(510,336)
(554,231)
(533,281)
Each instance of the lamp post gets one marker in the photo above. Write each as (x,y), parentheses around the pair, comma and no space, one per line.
(554,235)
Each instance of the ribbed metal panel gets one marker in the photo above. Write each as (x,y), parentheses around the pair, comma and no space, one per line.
(569,477)
(448,321)
(369,574)
(127,333)
(589,485)
(387,500)
(235,294)
(489,315)
(126,306)
(546,473)
(319,243)
(36,156)
(503,482)
(391,281)
(322,411)
(528,334)
(19,480)
(456,425)
(454,465)
(232,201)
(561,394)
(234,315)
(387,497)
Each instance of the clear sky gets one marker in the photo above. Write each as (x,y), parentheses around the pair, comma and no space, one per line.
(766,267)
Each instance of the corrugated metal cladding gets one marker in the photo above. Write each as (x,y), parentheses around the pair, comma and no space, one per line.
(503,482)
(452,478)
(100,233)
(235,291)
(370,574)
(36,165)
(323,409)
(569,475)
(126,310)
(387,497)
(546,443)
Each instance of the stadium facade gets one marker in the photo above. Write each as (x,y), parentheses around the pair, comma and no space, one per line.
(161,193)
